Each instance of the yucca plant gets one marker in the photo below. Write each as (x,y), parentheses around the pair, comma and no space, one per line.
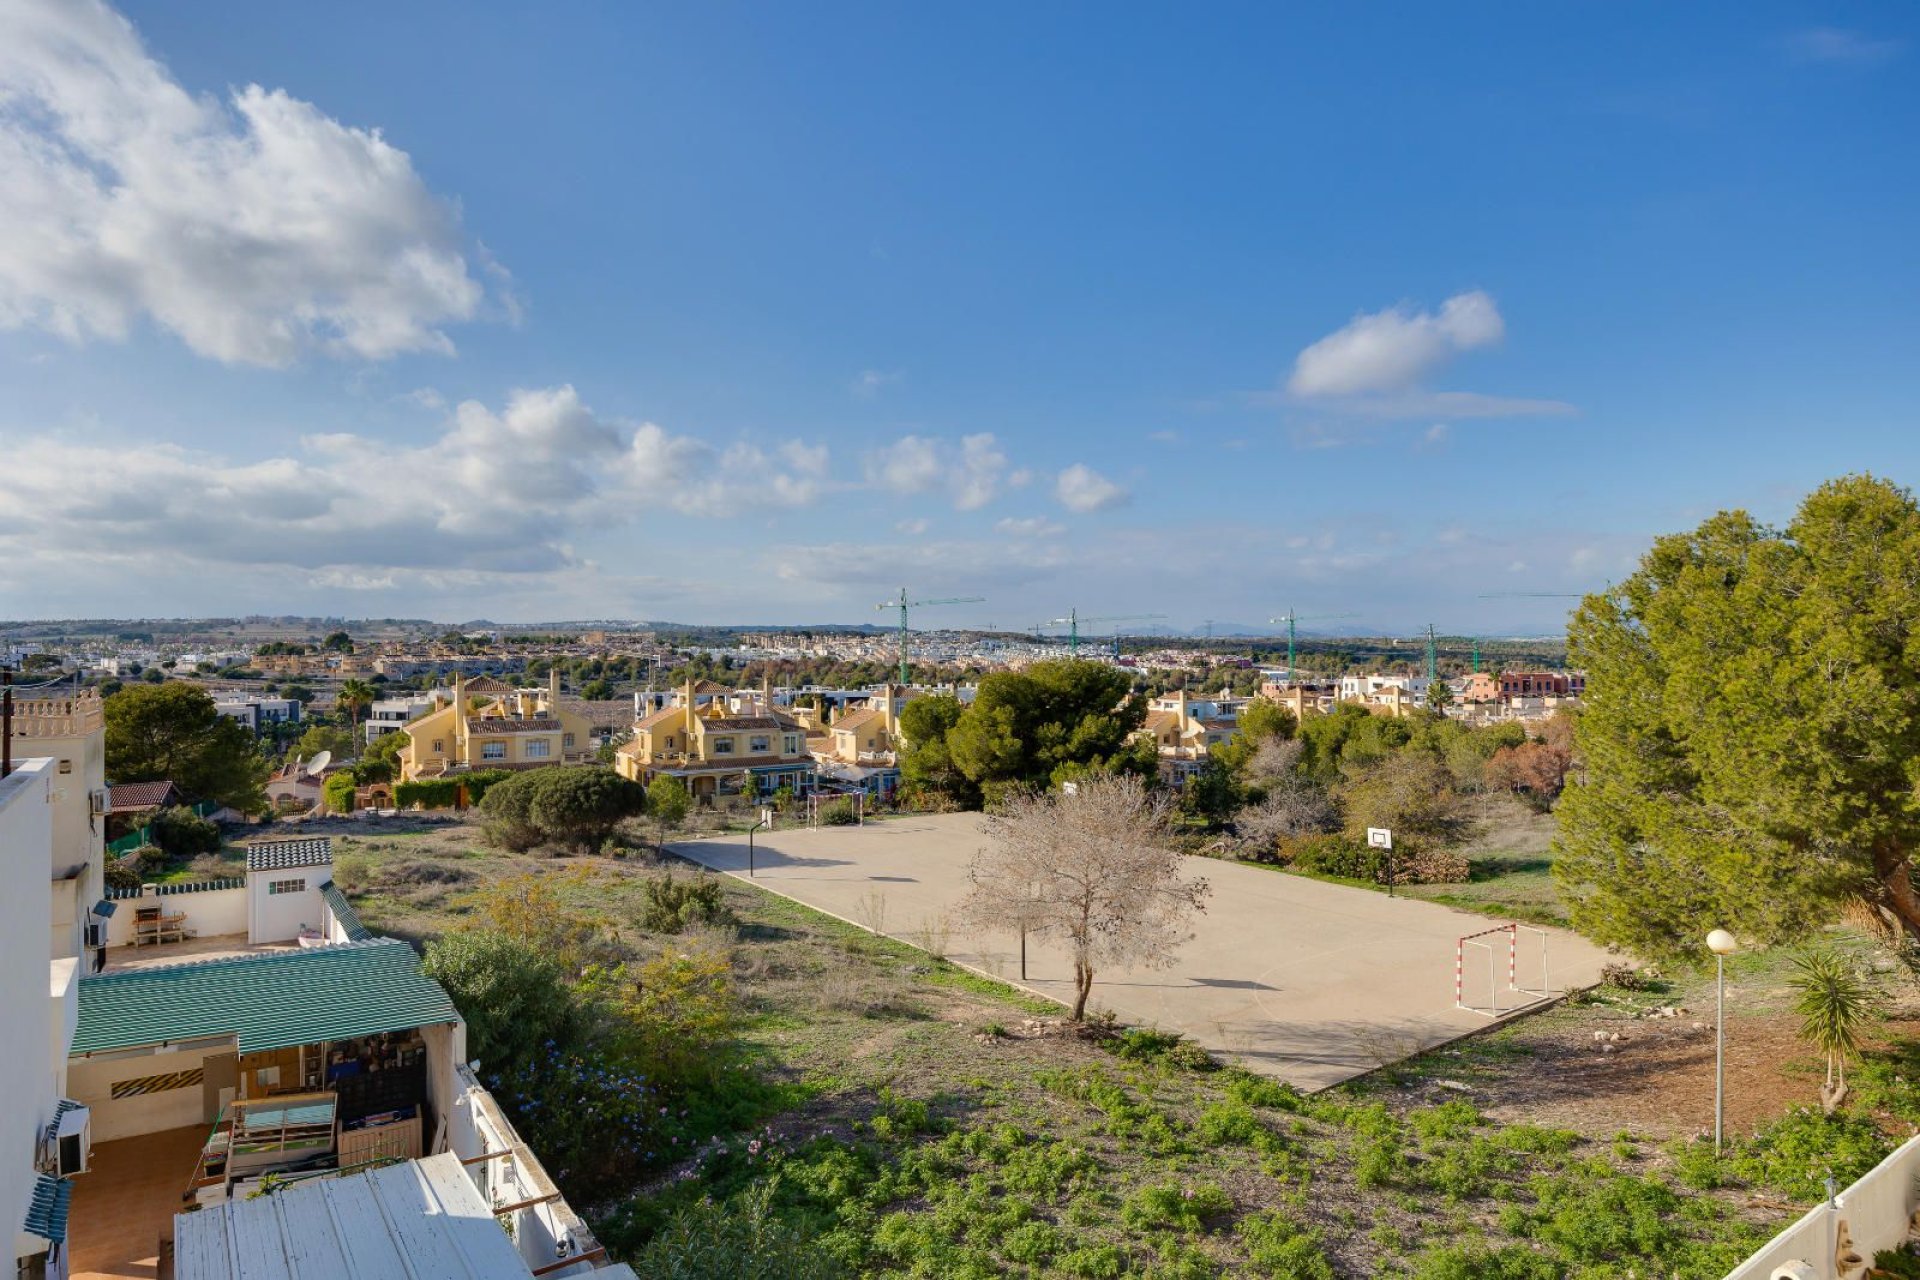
(1837,1006)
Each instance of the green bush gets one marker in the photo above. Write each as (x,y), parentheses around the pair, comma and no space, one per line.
(514,996)
(122,873)
(1150,1044)
(1472,1262)
(671,905)
(1283,1247)
(183,834)
(839,813)
(1795,1154)
(150,862)
(1172,1205)
(1335,855)
(578,807)
(741,1239)
(445,792)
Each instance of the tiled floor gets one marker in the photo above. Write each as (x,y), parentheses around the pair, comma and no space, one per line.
(124,1204)
(214,947)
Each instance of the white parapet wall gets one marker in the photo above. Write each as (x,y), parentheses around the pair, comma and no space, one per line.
(1837,1241)
(212,911)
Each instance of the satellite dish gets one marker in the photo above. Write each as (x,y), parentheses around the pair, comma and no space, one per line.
(316,765)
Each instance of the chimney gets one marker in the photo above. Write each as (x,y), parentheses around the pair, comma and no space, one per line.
(553,686)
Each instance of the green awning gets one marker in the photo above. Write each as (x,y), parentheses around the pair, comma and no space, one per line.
(47,1209)
(343,912)
(268,1001)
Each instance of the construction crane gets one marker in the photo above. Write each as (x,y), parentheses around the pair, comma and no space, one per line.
(1073,620)
(1290,618)
(903,604)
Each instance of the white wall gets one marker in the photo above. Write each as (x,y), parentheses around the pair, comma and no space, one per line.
(28,1084)
(279,917)
(211,913)
(1874,1211)
(91,1080)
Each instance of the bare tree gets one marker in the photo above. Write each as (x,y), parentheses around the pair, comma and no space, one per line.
(1092,867)
(1293,804)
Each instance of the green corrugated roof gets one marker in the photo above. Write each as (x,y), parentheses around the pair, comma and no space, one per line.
(268,1001)
(343,912)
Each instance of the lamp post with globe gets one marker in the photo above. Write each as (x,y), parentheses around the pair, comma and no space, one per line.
(1721,943)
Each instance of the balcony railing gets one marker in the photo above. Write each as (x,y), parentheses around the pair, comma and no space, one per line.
(69,717)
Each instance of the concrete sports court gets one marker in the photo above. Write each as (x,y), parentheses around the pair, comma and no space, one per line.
(1310,982)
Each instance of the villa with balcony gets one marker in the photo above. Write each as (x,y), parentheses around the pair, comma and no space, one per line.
(487,724)
(716,749)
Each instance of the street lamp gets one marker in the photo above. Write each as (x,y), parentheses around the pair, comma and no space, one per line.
(750,830)
(1721,943)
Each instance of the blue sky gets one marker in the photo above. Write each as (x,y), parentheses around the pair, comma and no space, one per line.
(752,313)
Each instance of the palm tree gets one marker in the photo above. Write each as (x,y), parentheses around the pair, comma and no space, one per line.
(354,697)
(1836,1007)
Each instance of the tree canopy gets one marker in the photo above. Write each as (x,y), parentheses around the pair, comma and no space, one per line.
(171,731)
(1051,722)
(1751,729)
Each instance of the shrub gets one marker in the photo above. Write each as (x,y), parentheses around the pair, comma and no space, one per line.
(513,994)
(1229,1123)
(149,862)
(743,1238)
(1622,976)
(1169,1204)
(338,793)
(581,807)
(1471,1262)
(1796,1153)
(1150,1044)
(508,811)
(668,802)
(671,905)
(839,813)
(1259,1091)
(1283,1247)
(122,873)
(182,833)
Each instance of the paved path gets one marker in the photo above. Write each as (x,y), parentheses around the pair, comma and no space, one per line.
(1306,981)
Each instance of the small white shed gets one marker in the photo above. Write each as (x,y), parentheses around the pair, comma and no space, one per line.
(284,878)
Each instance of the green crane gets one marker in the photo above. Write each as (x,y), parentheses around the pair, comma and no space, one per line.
(1290,618)
(1073,620)
(903,604)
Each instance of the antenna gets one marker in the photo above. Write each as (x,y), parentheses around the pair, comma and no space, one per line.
(319,762)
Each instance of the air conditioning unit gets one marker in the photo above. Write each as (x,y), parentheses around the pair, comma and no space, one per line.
(72,1141)
(97,933)
(98,799)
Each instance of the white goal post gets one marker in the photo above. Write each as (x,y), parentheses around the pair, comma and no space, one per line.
(1487,941)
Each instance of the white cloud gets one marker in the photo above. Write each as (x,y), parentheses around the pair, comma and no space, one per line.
(1080,488)
(1030,527)
(910,464)
(912,528)
(870,382)
(1376,366)
(1391,350)
(972,472)
(1837,44)
(253,229)
(498,491)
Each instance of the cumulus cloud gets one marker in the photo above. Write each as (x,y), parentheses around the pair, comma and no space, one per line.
(1082,489)
(1391,350)
(1378,364)
(971,473)
(497,491)
(254,229)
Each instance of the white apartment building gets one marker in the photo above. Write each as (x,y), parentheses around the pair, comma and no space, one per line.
(255,710)
(389,714)
(70,732)
(40,1132)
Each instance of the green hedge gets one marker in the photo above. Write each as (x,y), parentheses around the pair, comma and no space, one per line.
(444,793)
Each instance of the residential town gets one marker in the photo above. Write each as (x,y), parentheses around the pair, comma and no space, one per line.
(941,642)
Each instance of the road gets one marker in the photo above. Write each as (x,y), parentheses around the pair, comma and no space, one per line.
(1312,983)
